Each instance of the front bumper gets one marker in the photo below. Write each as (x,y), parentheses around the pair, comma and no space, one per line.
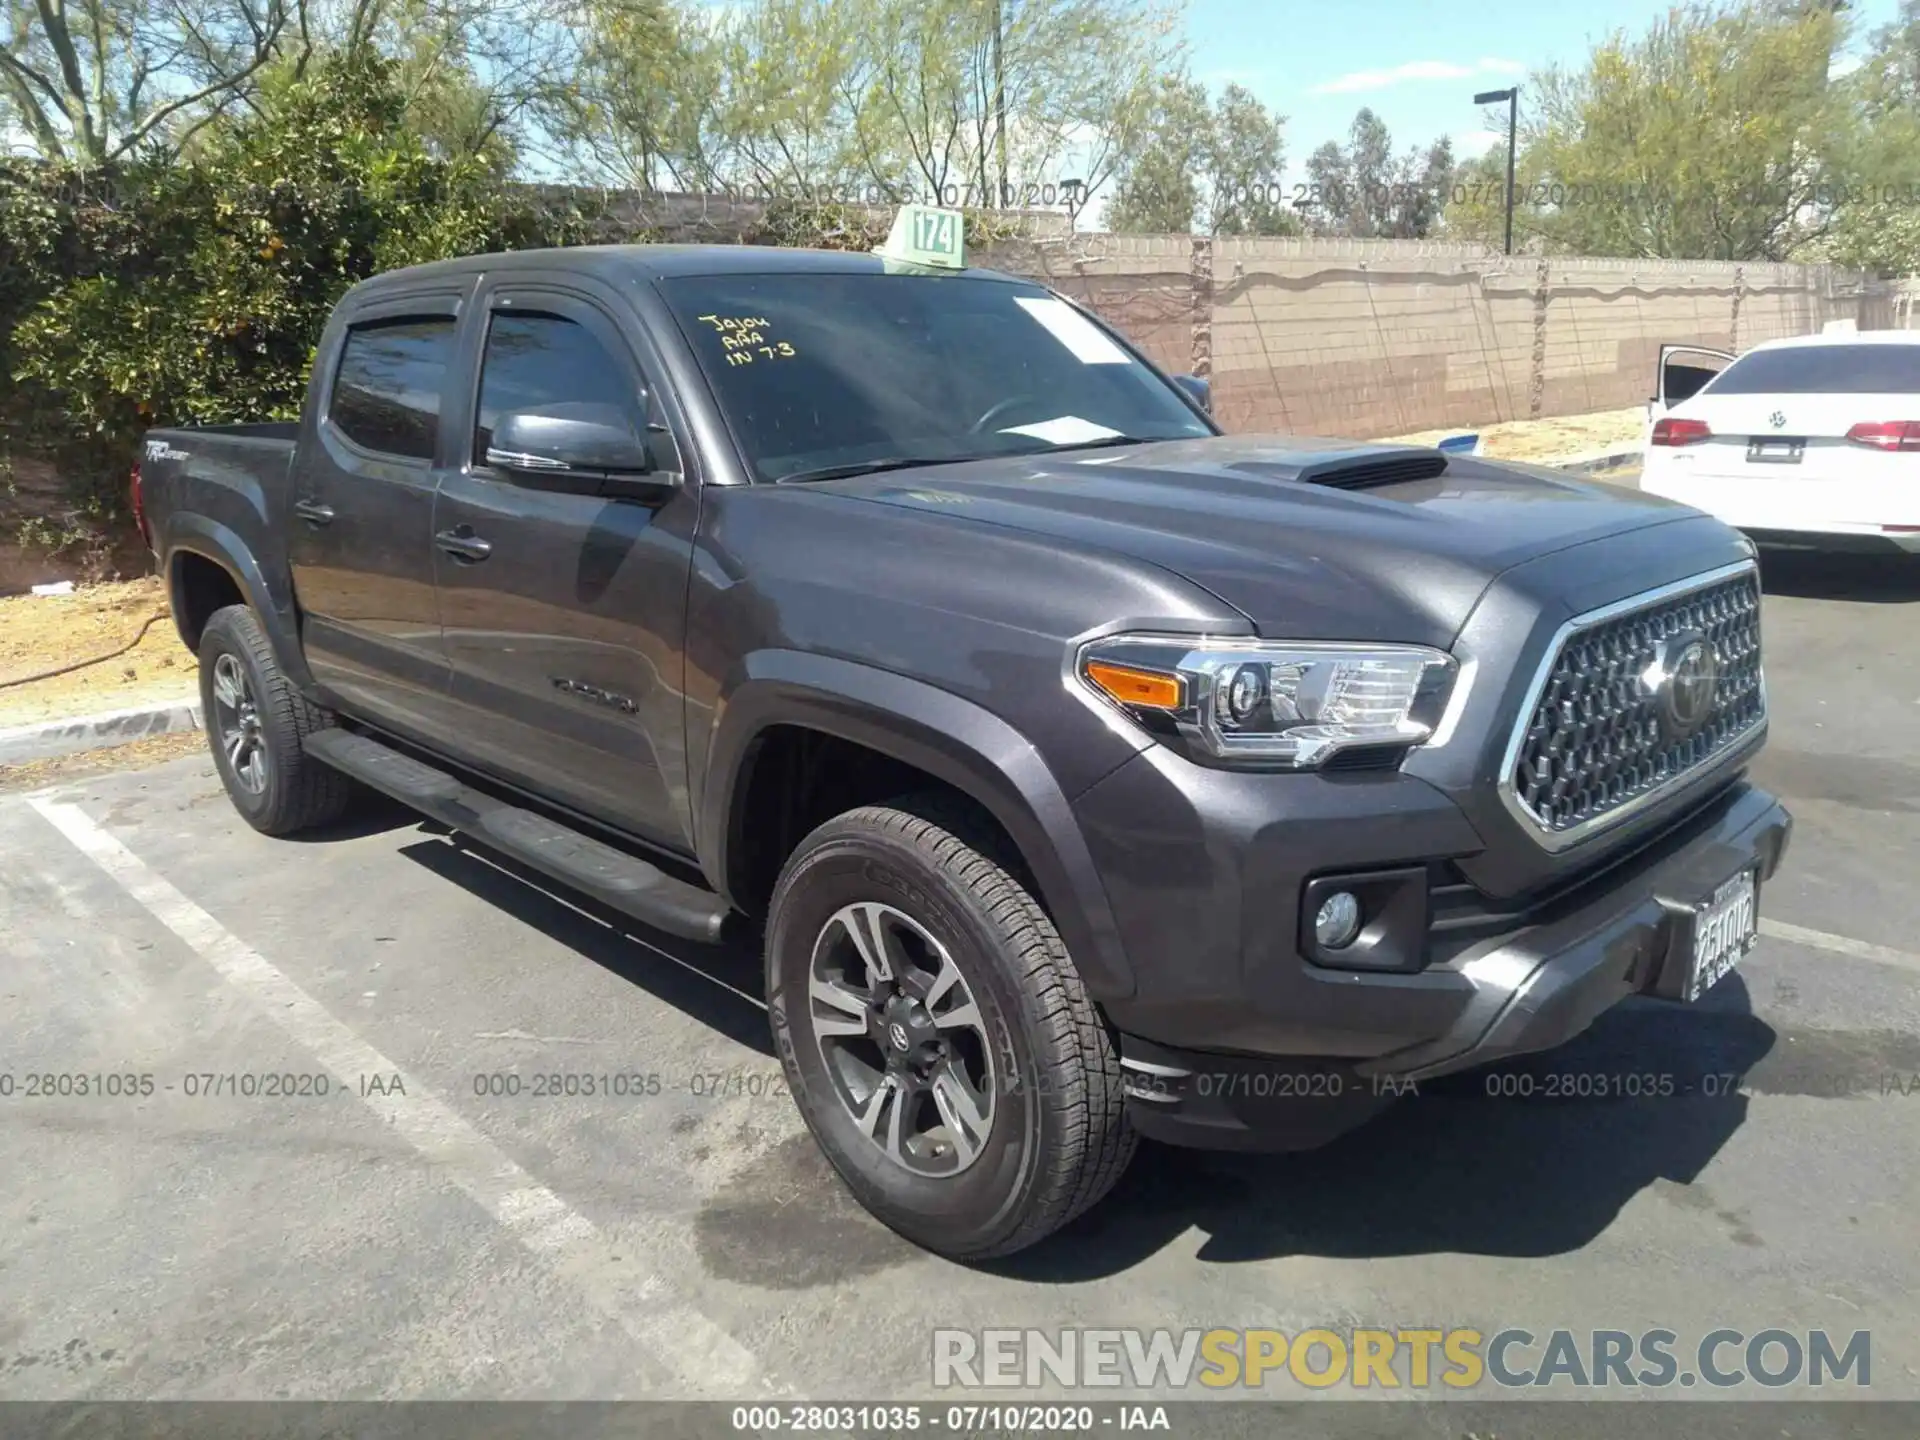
(1541,987)
(1313,1052)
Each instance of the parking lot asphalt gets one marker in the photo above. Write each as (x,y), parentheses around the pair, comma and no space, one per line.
(422,1230)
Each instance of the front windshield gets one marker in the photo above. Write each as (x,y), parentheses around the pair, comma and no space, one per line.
(818,372)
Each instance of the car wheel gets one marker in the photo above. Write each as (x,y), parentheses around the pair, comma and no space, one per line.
(935,1034)
(255,721)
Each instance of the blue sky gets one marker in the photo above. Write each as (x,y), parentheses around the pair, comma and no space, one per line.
(1416,63)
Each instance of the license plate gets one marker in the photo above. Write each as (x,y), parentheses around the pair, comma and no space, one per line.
(1776,452)
(1724,930)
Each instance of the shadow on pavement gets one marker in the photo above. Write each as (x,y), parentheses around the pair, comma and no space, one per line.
(1811,575)
(371,814)
(1530,1158)
(1499,1161)
(717,985)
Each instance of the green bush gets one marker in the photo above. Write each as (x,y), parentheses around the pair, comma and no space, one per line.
(195,293)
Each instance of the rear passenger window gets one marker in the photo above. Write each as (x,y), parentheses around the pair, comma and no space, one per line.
(386,395)
(535,360)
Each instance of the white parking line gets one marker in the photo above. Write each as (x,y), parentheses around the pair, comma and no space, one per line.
(696,1351)
(1840,944)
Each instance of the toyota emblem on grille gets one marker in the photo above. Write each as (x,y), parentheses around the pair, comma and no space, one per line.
(1683,677)
(1778,419)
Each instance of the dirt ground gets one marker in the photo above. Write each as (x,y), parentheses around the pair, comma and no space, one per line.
(1553,439)
(82,765)
(40,632)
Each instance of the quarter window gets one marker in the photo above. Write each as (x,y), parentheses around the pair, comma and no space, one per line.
(386,396)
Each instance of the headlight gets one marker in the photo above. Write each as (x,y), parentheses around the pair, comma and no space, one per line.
(1270,703)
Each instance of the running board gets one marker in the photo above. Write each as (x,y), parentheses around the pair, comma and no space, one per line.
(613,877)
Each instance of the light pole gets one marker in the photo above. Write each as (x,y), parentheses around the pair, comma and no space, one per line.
(1512,97)
(1073,196)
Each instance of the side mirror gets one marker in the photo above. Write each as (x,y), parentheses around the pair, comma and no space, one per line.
(1198,389)
(585,448)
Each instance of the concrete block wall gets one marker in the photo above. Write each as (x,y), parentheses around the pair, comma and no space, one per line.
(1347,338)
(1361,337)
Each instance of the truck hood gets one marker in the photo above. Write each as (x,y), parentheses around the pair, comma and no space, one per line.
(1308,538)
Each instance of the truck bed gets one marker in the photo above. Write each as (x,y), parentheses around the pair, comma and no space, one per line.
(234,474)
(217,452)
(225,493)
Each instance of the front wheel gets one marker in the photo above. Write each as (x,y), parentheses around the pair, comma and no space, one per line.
(935,1034)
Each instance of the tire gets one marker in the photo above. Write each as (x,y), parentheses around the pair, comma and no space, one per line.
(921,877)
(289,791)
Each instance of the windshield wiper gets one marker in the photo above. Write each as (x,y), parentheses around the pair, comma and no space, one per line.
(1107,443)
(872,467)
(905,462)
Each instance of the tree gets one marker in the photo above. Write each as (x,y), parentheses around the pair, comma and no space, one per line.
(814,88)
(1158,186)
(1717,134)
(1214,168)
(1361,189)
(641,110)
(478,77)
(994,93)
(1246,158)
(1890,80)
(93,81)
(161,292)
(772,98)
(897,98)
(1877,227)
(1426,200)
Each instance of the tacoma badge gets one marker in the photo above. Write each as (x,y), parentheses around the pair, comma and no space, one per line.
(593,692)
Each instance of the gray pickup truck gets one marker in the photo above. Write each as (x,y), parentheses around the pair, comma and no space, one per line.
(1084,772)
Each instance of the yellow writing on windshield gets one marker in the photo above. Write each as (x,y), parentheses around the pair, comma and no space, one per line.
(743,337)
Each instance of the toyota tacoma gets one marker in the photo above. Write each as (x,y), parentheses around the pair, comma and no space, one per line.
(1082,771)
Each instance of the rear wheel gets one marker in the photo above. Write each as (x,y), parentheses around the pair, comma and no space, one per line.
(255,721)
(935,1033)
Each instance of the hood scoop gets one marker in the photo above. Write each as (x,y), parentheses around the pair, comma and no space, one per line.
(1360,468)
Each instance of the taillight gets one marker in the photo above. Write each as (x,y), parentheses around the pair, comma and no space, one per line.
(139,504)
(1669,431)
(1887,434)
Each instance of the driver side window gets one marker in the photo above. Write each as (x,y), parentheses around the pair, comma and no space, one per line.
(535,359)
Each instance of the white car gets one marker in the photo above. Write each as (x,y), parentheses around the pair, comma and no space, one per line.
(1812,442)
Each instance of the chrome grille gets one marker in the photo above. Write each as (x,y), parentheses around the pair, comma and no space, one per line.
(1592,745)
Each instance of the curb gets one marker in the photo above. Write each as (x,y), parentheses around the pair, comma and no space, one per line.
(96,732)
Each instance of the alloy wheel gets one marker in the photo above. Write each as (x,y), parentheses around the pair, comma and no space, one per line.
(236,721)
(903,1039)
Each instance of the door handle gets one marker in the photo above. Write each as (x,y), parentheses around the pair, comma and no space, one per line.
(467,547)
(313,512)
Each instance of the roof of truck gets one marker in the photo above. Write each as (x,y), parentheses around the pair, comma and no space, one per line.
(619,262)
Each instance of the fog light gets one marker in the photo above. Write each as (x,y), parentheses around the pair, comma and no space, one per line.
(1338,921)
